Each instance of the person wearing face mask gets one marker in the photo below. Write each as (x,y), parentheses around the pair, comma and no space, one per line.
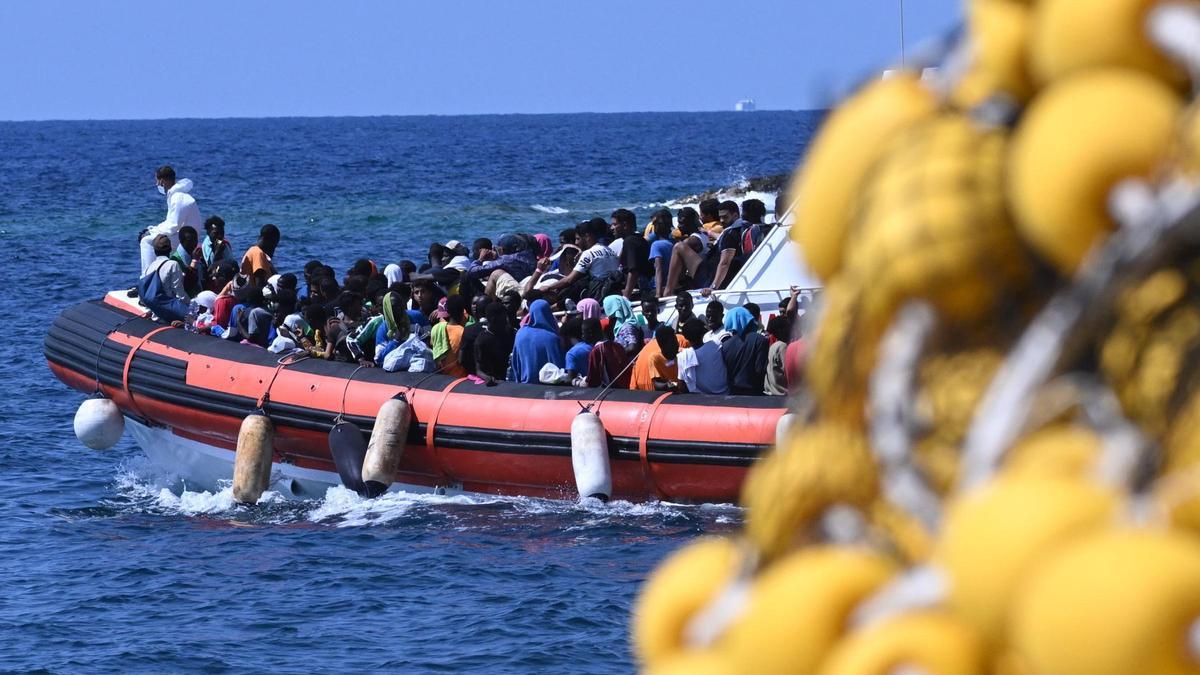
(181,210)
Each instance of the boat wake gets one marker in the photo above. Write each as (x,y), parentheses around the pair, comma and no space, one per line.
(139,489)
(552,210)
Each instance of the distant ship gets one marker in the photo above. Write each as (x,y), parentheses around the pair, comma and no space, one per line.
(744,105)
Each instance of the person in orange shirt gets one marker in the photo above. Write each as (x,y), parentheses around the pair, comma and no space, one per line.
(655,368)
(257,264)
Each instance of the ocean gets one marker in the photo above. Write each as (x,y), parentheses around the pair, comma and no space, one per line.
(107,565)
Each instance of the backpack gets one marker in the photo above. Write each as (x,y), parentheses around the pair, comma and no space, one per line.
(154,296)
(752,236)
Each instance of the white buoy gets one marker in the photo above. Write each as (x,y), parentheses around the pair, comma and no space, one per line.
(99,423)
(589,457)
(386,446)
(781,428)
(252,463)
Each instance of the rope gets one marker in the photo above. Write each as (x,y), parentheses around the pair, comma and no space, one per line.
(283,362)
(129,362)
(345,390)
(607,387)
(100,349)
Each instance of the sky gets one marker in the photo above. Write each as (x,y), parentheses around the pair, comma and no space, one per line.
(125,59)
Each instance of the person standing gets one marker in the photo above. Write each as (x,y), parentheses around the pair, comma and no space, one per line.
(181,210)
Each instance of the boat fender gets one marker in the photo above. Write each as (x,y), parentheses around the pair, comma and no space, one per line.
(781,428)
(349,450)
(99,423)
(589,457)
(252,461)
(386,446)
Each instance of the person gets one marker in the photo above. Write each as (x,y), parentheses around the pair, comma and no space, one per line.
(633,254)
(161,287)
(655,368)
(214,248)
(661,216)
(256,263)
(589,308)
(608,362)
(728,254)
(494,344)
(536,344)
(710,218)
(597,271)
(626,330)
(776,383)
(650,313)
(688,254)
(395,327)
(744,353)
(190,260)
(684,306)
(426,295)
(578,346)
(545,274)
(403,350)
(512,257)
(565,238)
(447,337)
(660,256)
(181,210)
(701,366)
(714,317)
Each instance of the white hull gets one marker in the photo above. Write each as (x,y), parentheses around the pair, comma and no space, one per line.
(206,467)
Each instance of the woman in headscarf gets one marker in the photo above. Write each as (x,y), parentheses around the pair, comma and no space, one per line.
(545,247)
(589,308)
(536,344)
(395,328)
(744,353)
(623,323)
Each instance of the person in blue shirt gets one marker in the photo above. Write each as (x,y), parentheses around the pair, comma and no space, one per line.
(660,256)
(576,334)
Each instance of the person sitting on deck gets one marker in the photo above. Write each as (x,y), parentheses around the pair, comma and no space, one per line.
(624,324)
(744,353)
(579,347)
(181,210)
(512,257)
(730,250)
(689,253)
(191,263)
(701,366)
(684,309)
(215,247)
(633,253)
(776,382)
(446,337)
(714,318)
(608,362)
(656,368)
(256,263)
(597,272)
(536,344)
(164,294)
(660,256)
(494,344)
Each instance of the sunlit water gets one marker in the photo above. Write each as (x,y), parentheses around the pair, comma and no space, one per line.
(106,565)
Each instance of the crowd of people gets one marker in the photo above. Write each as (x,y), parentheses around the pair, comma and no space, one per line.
(518,309)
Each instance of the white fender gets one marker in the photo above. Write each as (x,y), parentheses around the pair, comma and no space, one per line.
(99,423)
(386,446)
(589,457)
(781,428)
(252,463)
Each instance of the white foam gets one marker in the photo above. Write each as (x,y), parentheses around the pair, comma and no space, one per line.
(552,210)
(767,198)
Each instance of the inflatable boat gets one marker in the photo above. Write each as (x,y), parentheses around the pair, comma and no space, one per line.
(184,398)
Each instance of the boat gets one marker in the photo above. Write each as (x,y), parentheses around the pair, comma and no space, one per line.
(184,397)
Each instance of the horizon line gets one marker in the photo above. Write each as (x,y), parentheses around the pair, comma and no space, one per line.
(385,115)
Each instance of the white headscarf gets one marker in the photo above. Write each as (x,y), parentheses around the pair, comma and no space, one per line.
(394,274)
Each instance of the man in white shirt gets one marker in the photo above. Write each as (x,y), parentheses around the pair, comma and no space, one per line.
(181,210)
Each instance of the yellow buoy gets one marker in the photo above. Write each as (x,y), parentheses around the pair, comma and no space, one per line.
(1063,451)
(1070,36)
(252,462)
(994,535)
(926,641)
(999,32)
(799,606)
(675,592)
(848,144)
(1118,602)
(1077,140)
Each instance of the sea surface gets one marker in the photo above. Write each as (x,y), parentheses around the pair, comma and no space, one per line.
(106,565)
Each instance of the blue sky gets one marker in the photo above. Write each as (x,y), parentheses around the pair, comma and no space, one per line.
(224,58)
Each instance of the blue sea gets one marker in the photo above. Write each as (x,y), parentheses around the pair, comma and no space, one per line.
(106,565)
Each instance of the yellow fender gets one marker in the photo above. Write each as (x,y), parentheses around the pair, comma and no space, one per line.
(999,32)
(929,641)
(849,142)
(1118,602)
(1076,141)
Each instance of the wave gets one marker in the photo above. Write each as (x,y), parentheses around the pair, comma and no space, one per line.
(141,489)
(552,210)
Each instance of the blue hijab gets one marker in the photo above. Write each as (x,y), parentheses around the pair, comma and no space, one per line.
(536,344)
(738,319)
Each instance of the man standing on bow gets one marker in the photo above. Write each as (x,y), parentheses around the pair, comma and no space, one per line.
(181,210)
